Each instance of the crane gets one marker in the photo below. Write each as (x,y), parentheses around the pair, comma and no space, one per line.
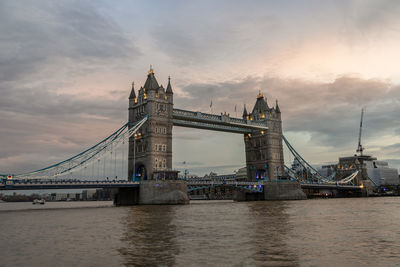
(360,148)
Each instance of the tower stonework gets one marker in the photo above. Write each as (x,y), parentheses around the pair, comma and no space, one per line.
(264,150)
(150,149)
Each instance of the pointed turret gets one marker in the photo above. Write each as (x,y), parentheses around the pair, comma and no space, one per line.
(277,109)
(169,88)
(151,82)
(245,112)
(133,94)
(261,105)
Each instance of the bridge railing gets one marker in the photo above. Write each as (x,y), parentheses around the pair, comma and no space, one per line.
(211,182)
(237,120)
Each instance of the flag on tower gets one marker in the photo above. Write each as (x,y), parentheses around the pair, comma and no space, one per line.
(235,108)
(211,103)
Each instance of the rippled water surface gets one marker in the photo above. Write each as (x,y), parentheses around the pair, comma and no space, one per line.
(326,232)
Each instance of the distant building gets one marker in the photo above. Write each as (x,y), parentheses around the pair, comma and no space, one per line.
(381,174)
(241,174)
(328,170)
(88,194)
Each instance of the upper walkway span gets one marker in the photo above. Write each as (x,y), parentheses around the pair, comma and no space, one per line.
(223,122)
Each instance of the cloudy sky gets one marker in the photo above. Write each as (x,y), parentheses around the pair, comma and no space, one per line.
(66,69)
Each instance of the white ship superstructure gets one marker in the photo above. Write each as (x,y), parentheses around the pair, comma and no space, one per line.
(381,174)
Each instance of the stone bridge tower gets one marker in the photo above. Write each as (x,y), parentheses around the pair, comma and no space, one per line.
(150,150)
(264,151)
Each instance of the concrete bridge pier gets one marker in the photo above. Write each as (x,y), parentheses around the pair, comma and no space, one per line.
(287,190)
(153,192)
(283,190)
(126,196)
(156,192)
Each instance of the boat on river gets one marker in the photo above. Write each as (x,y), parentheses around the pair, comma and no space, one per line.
(38,201)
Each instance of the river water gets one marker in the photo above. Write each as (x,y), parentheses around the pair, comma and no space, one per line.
(320,232)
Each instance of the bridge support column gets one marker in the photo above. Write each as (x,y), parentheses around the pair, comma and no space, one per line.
(156,192)
(283,191)
(153,192)
(126,196)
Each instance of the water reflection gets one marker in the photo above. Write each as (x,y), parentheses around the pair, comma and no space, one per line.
(330,232)
(149,237)
(312,233)
(271,229)
(215,233)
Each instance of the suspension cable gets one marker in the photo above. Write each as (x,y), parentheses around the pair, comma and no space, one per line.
(123,158)
(115,163)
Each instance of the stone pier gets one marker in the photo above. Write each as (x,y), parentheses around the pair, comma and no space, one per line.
(287,190)
(153,192)
(163,192)
(126,196)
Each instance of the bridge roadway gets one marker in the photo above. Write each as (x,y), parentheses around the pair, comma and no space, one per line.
(331,186)
(78,184)
(303,185)
(64,184)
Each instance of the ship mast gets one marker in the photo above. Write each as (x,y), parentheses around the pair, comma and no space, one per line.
(360,148)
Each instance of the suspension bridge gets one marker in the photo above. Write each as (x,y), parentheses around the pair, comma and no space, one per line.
(96,167)
(139,154)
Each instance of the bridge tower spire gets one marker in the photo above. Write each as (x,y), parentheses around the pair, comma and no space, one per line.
(169,87)
(132,96)
(245,114)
